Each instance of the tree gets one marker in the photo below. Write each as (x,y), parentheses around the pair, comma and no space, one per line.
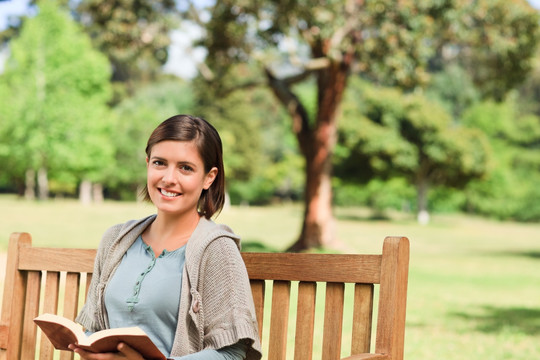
(324,43)
(135,35)
(327,38)
(53,113)
(511,189)
(260,165)
(406,135)
(135,119)
(498,53)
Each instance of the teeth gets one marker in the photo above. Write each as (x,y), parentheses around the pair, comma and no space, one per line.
(168,194)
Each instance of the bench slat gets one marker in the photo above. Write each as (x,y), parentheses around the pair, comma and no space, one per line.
(71,295)
(71,302)
(88,280)
(50,305)
(281,292)
(362,318)
(257,290)
(31,310)
(57,259)
(333,320)
(305,320)
(307,267)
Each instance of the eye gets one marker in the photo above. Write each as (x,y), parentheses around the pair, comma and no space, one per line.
(186,168)
(158,163)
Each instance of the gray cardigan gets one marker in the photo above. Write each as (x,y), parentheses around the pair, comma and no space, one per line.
(216,305)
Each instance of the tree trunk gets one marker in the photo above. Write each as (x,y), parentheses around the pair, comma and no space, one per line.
(422,188)
(30,185)
(97,193)
(318,228)
(85,192)
(43,184)
(316,143)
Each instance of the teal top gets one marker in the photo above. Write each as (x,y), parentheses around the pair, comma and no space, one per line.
(145,291)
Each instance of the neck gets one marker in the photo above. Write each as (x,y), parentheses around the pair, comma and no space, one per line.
(170,232)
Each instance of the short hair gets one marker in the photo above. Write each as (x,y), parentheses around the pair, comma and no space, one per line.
(208,143)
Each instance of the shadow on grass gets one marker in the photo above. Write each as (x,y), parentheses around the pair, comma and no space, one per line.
(366,217)
(491,319)
(529,254)
(257,246)
(532,254)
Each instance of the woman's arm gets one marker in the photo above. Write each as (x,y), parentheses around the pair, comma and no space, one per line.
(125,352)
(234,352)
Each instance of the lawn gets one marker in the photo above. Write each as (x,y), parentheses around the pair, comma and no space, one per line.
(474,285)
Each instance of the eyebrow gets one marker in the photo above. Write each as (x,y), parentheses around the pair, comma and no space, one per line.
(154,157)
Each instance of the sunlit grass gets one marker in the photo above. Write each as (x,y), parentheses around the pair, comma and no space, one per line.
(474,285)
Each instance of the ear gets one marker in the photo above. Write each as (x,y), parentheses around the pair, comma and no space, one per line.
(210,177)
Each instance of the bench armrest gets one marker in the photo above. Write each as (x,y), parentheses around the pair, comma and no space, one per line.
(3,336)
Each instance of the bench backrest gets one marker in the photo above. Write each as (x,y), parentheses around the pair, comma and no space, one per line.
(55,280)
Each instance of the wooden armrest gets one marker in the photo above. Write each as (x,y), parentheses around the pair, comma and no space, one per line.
(367,357)
(3,336)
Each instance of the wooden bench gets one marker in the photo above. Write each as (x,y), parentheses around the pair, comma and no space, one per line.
(55,280)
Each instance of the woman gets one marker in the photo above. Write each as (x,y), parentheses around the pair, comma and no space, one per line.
(177,274)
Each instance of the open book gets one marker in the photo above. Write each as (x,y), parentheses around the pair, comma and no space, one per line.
(62,332)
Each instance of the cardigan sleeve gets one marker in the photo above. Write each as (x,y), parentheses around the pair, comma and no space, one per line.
(226,299)
(233,352)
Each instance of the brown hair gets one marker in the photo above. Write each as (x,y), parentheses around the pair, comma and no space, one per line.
(208,142)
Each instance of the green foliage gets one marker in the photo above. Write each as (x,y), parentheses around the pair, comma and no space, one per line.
(511,191)
(454,89)
(260,153)
(389,134)
(133,33)
(377,194)
(278,181)
(446,200)
(386,133)
(135,119)
(504,41)
(53,105)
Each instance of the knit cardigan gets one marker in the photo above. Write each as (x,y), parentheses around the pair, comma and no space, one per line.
(216,305)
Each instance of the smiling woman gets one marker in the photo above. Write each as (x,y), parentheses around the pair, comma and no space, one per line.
(163,272)
(176,178)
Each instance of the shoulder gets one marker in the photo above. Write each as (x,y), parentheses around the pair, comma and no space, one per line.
(208,246)
(206,233)
(118,231)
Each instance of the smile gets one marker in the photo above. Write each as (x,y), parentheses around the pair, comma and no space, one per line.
(168,194)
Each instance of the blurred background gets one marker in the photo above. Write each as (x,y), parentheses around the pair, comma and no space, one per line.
(343,121)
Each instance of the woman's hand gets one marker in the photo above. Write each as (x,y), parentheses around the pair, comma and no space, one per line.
(124,352)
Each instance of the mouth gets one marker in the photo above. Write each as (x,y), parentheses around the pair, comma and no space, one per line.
(168,194)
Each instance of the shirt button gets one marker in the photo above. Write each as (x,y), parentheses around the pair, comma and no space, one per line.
(195,307)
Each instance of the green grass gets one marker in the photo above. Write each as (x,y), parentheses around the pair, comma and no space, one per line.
(474,284)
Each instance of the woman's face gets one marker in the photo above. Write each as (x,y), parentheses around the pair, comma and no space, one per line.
(176,176)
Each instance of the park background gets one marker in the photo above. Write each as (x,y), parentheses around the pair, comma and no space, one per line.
(425,116)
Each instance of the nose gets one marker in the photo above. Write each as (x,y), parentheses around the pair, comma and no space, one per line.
(168,175)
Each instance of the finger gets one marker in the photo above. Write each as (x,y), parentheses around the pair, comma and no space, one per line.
(87,355)
(129,352)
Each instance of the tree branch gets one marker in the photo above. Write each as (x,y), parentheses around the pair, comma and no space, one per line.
(294,107)
(308,68)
